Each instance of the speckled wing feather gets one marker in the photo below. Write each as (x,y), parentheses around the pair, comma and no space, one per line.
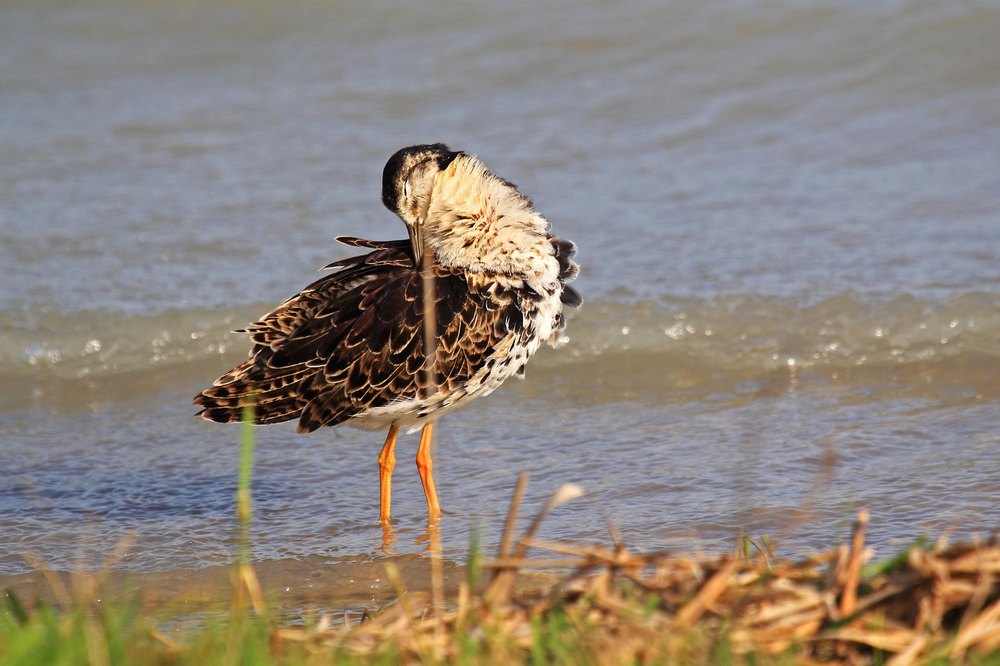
(380,358)
(292,326)
(353,341)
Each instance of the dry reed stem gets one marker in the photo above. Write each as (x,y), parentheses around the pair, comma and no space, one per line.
(499,589)
(707,595)
(849,598)
(247,578)
(910,654)
(511,520)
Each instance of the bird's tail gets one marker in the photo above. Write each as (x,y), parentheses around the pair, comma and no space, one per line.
(274,395)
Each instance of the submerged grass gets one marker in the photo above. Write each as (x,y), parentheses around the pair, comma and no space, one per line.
(930,603)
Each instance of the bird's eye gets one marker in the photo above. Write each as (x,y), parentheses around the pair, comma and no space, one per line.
(406,189)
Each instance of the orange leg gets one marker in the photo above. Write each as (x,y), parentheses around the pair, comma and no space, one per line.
(426,466)
(386,463)
(388,539)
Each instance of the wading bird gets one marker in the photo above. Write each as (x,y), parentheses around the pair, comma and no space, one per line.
(414,328)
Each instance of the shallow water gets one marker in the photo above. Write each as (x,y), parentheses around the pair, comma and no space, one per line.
(787,220)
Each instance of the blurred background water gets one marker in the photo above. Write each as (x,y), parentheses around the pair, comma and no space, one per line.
(788,220)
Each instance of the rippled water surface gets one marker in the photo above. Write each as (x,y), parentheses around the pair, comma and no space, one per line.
(788,227)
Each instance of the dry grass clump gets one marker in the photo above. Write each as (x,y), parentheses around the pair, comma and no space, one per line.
(927,604)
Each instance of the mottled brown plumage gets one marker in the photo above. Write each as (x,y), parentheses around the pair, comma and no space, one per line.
(352,347)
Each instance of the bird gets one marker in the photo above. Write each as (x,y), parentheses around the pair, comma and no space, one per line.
(414,328)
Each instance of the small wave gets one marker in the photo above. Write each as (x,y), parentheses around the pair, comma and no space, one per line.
(96,343)
(59,353)
(746,331)
(98,356)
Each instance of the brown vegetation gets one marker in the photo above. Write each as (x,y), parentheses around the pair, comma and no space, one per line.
(928,603)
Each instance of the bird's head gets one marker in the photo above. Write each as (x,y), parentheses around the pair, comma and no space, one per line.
(407,181)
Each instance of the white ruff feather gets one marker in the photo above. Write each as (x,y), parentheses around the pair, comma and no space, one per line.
(481,223)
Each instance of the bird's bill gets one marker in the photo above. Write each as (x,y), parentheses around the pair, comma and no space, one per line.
(417,242)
